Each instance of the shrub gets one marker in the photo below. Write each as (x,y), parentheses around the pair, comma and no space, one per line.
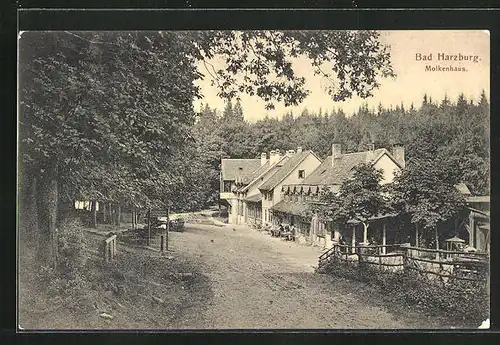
(458,299)
(72,255)
(70,276)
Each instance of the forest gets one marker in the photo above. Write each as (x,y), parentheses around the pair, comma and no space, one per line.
(455,132)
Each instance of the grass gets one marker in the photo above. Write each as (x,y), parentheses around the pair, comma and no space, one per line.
(140,290)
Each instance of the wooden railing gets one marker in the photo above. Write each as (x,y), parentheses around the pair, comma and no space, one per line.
(109,248)
(475,264)
(443,254)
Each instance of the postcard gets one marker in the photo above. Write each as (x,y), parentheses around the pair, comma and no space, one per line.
(253,180)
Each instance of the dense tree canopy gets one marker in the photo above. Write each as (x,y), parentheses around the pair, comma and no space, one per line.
(109,115)
(458,130)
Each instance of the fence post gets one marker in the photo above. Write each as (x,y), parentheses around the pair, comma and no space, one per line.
(168,228)
(106,251)
(149,226)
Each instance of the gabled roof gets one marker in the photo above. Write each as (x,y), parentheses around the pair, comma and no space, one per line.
(341,169)
(285,170)
(266,168)
(238,168)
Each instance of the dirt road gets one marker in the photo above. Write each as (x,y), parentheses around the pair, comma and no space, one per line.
(252,280)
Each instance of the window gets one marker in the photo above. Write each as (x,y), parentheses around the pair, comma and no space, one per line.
(302,173)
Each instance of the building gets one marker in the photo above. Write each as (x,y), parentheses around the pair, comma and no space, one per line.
(249,196)
(234,173)
(476,226)
(332,172)
(294,171)
(249,189)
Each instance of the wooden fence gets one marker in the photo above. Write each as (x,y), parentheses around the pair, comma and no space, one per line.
(442,264)
(109,248)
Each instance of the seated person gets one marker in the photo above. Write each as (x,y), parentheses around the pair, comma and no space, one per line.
(280,230)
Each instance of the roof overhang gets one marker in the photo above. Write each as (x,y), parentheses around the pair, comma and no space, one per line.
(254,198)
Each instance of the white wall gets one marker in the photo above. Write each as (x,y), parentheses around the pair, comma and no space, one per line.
(309,164)
(388,168)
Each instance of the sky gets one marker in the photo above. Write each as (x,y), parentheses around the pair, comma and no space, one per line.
(412,80)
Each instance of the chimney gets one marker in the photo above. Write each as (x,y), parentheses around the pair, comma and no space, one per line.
(299,149)
(274,156)
(336,151)
(263,158)
(371,153)
(290,153)
(398,152)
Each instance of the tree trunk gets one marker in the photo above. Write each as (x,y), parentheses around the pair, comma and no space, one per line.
(28,218)
(110,212)
(133,218)
(47,195)
(149,226)
(384,238)
(353,240)
(93,220)
(365,232)
(118,216)
(416,235)
(164,237)
(437,241)
(66,208)
(104,214)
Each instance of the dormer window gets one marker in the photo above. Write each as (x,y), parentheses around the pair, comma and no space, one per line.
(302,173)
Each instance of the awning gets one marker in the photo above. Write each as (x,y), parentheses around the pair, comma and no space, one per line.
(478,198)
(479,213)
(291,207)
(254,198)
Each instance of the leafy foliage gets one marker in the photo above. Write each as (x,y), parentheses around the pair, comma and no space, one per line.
(260,63)
(426,191)
(358,198)
(71,248)
(463,301)
(112,113)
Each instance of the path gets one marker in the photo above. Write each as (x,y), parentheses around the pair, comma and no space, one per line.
(258,281)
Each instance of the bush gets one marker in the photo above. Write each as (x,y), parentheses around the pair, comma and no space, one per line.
(458,299)
(70,276)
(72,255)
